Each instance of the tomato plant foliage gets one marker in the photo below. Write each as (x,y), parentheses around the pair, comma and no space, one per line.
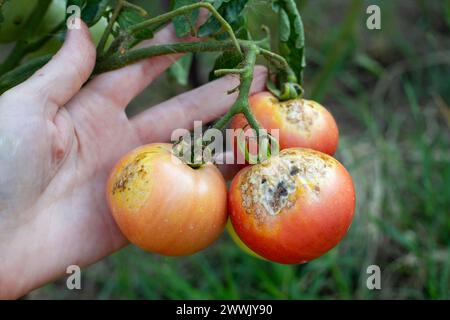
(292,39)
(130,24)
(184,24)
(231,10)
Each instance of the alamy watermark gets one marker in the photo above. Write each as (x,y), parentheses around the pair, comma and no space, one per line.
(373,22)
(373,281)
(73,281)
(212,145)
(73,19)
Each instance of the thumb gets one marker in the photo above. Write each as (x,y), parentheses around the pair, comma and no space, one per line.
(63,76)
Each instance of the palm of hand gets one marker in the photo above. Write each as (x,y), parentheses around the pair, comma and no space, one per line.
(58,146)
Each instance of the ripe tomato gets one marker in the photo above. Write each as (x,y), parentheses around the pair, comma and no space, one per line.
(302,123)
(15,14)
(293,207)
(164,206)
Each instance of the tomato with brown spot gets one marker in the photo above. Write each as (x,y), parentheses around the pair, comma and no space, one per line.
(163,205)
(293,207)
(302,123)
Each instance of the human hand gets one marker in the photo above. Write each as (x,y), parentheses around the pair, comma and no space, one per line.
(58,143)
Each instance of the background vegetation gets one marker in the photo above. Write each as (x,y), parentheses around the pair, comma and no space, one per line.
(390,92)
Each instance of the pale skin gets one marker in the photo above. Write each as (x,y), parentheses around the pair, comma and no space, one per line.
(59,139)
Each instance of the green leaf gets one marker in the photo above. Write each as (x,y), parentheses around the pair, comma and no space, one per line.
(230,10)
(179,71)
(94,10)
(227,60)
(91,10)
(292,38)
(184,24)
(129,17)
(285,26)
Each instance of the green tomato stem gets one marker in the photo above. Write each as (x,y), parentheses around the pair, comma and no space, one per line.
(185,10)
(133,6)
(120,60)
(223,72)
(286,74)
(107,32)
(272,56)
(22,72)
(241,104)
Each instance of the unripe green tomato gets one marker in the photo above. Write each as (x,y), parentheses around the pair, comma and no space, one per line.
(97,32)
(53,45)
(55,14)
(16,14)
(239,243)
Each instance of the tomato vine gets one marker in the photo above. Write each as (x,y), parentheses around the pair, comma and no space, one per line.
(225,30)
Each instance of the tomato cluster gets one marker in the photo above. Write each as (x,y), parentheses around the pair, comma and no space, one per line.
(290,208)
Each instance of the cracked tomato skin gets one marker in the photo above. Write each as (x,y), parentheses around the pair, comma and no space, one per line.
(293,207)
(302,123)
(164,206)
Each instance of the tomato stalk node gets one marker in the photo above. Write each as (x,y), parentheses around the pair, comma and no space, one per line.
(241,104)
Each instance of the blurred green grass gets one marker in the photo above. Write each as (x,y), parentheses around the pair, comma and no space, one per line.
(390,92)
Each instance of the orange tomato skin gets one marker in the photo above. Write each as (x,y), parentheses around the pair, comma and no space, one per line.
(233,235)
(314,127)
(164,206)
(320,215)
